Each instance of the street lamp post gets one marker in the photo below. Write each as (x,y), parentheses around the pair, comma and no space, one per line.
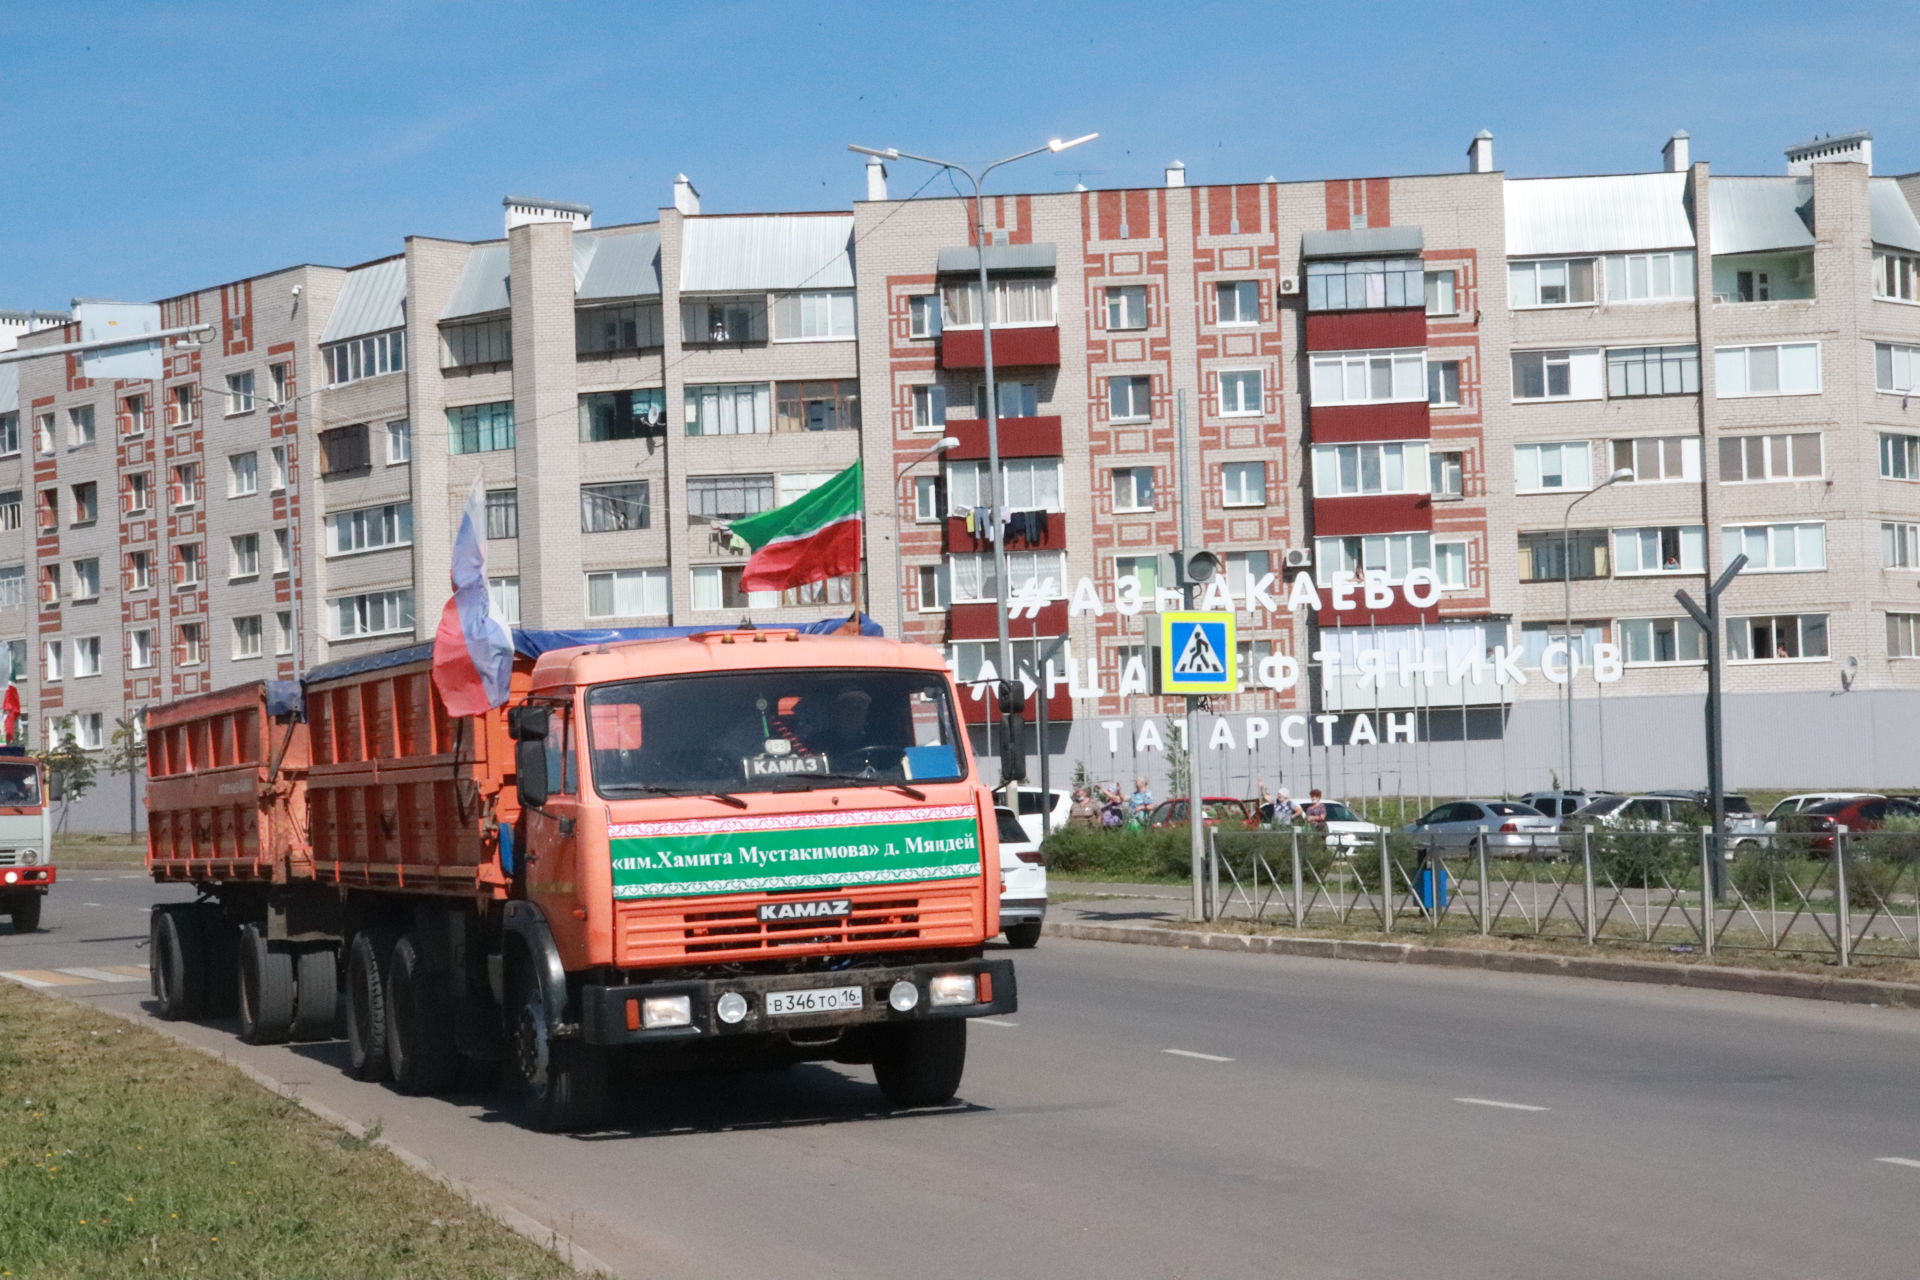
(1566,583)
(899,567)
(1012,761)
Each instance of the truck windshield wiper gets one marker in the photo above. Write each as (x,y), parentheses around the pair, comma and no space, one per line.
(805,781)
(626,788)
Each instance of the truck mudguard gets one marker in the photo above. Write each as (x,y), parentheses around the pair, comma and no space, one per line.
(524,920)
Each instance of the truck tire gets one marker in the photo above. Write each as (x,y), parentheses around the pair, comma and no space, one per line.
(178,961)
(316,993)
(420,1045)
(919,1064)
(367,961)
(1023,936)
(266,988)
(26,913)
(556,1085)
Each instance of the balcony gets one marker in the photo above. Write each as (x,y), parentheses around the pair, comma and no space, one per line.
(1349,423)
(1013,347)
(1037,437)
(1375,513)
(1366,330)
(1763,277)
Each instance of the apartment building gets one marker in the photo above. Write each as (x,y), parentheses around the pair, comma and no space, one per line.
(1370,376)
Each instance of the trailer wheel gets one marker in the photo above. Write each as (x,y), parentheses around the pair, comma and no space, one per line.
(266,988)
(919,1064)
(557,1084)
(420,1045)
(316,998)
(178,961)
(26,913)
(367,965)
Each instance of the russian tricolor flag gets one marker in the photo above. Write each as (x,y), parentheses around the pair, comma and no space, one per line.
(472,650)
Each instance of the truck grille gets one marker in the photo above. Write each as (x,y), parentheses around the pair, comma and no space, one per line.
(730,928)
(14,858)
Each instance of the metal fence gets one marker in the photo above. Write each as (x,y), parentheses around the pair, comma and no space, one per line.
(1848,897)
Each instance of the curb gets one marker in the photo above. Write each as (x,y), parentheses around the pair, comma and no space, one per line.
(1805,986)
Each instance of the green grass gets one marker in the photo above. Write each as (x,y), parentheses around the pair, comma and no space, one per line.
(99,851)
(123,1153)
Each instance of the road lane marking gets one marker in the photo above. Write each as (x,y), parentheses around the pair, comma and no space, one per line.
(102,975)
(41,978)
(995,1022)
(1204,1057)
(1505,1106)
(1900,1160)
(92,904)
(130,970)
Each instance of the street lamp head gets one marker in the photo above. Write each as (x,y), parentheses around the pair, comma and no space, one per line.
(951,442)
(1057,146)
(889,153)
(1624,473)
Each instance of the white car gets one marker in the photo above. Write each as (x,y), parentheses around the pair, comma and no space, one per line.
(1805,801)
(1023,882)
(1348,830)
(1032,801)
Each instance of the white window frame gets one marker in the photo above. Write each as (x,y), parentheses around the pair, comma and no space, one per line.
(966,293)
(1437,380)
(1439,470)
(1677,362)
(140,649)
(1240,291)
(929,499)
(929,408)
(243,556)
(1026,484)
(1586,374)
(1243,484)
(249,637)
(1732,367)
(1442,292)
(359,530)
(86,578)
(923,315)
(1902,364)
(1126,490)
(1692,540)
(366,356)
(240,394)
(1393,555)
(1127,310)
(399,441)
(970,575)
(726,402)
(1332,373)
(1764,544)
(1532,270)
(1903,635)
(243,474)
(81,428)
(1899,457)
(397,602)
(937,599)
(1234,403)
(283,632)
(276,468)
(1745,623)
(1562,451)
(1139,397)
(641,585)
(1676,625)
(86,657)
(815,315)
(1689,458)
(503,598)
(1766,448)
(1899,545)
(1449,553)
(1676,265)
(1903,269)
(1341,470)
(52,654)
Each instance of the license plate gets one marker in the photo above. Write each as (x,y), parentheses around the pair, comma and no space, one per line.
(820,1000)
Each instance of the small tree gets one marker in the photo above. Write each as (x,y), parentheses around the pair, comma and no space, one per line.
(126,755)
(71,770)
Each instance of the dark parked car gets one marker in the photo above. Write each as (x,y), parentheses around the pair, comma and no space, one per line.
(1866,813)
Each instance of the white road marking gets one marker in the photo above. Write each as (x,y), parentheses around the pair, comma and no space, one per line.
(995,1022)
(25,981)
(98,879)
(1505,1106)
(1900,1160)
(90,904)
(99,975)
(1204,1057)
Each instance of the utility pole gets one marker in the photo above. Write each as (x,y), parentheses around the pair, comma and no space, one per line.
(1709,621)
(1196,819)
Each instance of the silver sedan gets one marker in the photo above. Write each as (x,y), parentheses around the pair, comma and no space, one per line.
(1506,827)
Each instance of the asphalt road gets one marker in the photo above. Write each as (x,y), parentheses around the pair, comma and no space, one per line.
(1162,1113)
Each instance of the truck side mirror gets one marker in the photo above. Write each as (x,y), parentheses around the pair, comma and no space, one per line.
(528,724)
(530,763)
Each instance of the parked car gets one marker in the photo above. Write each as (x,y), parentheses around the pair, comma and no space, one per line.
(1031,803)
(1215,811)
(1866,813)
(1499,826)
(1801,803)
(1561,804)
(1641,813)
(1346,829)
(1746,829)
(1023,882)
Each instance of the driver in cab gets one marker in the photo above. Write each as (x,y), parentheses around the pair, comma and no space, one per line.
(845,733)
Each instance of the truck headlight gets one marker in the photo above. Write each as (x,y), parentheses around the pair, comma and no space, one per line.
(731,1007)
(666,1011)
(12,877)
(953,988)
(903,996)
(29,857)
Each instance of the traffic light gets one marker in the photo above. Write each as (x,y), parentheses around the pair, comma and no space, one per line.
(1193,567)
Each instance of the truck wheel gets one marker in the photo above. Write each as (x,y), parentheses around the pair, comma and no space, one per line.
(316,993)
(557,1085)
(26,913)
(177,961)
(420,1047)
(367,961)
(1023,936)
(266,988)
(919,1064)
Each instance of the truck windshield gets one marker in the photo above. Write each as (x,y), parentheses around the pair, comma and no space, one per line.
(19,785)
(773,730)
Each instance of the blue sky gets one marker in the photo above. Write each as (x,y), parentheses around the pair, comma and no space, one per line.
(154,147)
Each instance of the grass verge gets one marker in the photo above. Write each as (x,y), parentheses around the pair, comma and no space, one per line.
(123,1153)
(99,851)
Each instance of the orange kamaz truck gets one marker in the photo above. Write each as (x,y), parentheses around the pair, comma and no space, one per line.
(709,850)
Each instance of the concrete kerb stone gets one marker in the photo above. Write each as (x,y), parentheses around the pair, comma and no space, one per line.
(1806,986)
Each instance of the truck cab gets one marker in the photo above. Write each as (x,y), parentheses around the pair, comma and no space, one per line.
(26,839)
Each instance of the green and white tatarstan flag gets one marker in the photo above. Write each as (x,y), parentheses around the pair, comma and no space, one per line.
(808,540)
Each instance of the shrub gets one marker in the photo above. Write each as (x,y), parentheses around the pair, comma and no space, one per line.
(1119,855)
(1640,858)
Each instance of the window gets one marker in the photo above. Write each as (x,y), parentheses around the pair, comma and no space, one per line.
(1650,277)
(717,320)
(1143,569)
(1557,375)
(733,409)
(49,510)
(139,570)
(190,645)
(1041,572)
(929,408)
(186,484)
(43,433)
(1777,548)
(243,474)
(1375,282)
(627,593)
(283,632)
(1133,488)
(1899,456)
(86,657)
(1126,306)
(1894,367)
(923,316)
(481,428)
(239,393)
(51,654)
(827,591)
(1240,393)
(186,565)
(1653,371)
(1544,555)
(1450,565)
(13,586)
(630,326)
(1896,275)
(140,649)
(277,467)
(10,510)
(1443,383)
(1244,568)
(1653,459)
(1536,636)
(135,409)
(371,613)
(86,503)
(817,406)
(1550,468)
(971,659)
(1016,301)
(1391,554)
(1667,549)
(367,357)
(476,342)
(282,551)
(50,584)
(503,514)
(1785,369)
(929,499)
(503,599)
(1447,472)
(1755,459)
(243,556)
(1899,545)
(640,414)
(399,444)
(247,637)
(931,583)
(1238,301)
(813,315)
(614,508)
(9,435)
(1243,484)
(182,404)
(367,529)
(1550,282)
(1779,638)
(1369,377)
(80,429)
(89,727)
(86,579)
(343,450)
(281,376)
(728,497)
(1015,399)
(1026,484)
(1352,470)
(717,586)
(1903,635)
(1441,299)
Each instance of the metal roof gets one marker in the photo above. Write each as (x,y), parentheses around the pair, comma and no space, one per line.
(9,388)
(1754,215)
(1000,257)
(618,266)
(482,286)
(1607,214)
(373,300)
(1361,242)
(1893,221)
(773,251)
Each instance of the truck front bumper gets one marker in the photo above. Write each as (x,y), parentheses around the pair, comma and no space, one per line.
(13,879)
(615,1015)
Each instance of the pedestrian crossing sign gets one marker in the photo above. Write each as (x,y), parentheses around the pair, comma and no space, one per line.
(1197,654)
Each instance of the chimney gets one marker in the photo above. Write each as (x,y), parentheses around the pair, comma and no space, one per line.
(1678,152)
(876,179)
(1176,174)
(685,198)
(1845,148)
(1480,153)
(524,209)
